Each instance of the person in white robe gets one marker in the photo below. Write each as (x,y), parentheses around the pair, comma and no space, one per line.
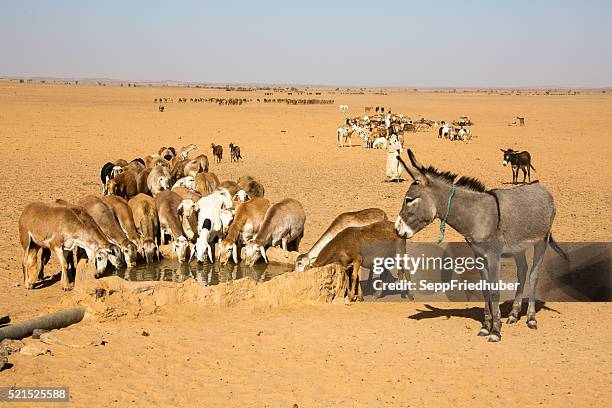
(394,169)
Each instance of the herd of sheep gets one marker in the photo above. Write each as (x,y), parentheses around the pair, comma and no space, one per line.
(169,197)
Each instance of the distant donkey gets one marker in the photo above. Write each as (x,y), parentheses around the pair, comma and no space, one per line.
(217,151)
(493,222)
(235,152)
(518,160)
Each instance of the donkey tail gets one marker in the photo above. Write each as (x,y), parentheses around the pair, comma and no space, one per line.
(531,165)
(553,244)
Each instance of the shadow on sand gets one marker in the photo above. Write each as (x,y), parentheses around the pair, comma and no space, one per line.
(474,313)
(509,183)
(50,280)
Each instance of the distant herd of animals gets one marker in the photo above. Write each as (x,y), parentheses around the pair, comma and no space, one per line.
(240,101)
(375,134)
(376,130)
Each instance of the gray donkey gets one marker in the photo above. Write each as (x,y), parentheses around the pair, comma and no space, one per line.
(493,222)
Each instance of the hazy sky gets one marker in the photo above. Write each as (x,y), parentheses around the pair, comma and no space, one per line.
(361,43)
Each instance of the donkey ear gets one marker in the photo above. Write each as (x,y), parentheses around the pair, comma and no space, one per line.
(503,150)
(414,172)
(413,160)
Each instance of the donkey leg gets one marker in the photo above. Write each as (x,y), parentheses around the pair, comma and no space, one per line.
(521,273)
(493,262)
(529,172)
(538,256)
(524,174)
(485,330)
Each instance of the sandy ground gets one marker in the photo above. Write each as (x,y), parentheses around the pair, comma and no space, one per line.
(56,137)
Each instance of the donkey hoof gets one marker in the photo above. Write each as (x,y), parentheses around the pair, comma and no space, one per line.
(532,324)
(67,289)
(494,338)
(512,319)
(483,332)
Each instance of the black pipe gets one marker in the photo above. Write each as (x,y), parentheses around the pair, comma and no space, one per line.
(51,321)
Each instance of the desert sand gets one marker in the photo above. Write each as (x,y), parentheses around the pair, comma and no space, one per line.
(56,137)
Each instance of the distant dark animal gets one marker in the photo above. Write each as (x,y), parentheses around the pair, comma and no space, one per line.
(235,152)
(518,160)
(217,151)
(162,108)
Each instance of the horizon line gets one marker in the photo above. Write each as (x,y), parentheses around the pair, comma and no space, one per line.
(287,84)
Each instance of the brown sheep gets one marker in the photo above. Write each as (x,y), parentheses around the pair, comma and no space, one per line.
(60,229)
(251,186)
(104,216)
(124,215)
(340,223)
(147,223)
(247,221)
(350,247)
(206,183)
(124,185)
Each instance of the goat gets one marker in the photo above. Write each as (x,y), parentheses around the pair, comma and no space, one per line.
(124,215)
(445,132)
(123,184)
(206,183)
(106,173)
(188,212)
(340,223)
(186,193)
(358,246)
(379,143)
(251,186)
(235,152)
(136,165)
(231,186)
(241,196)
(197,165)
(158,180)
(283,224)
(155,160)
(146,221)
(183,152)
(187,182)
(210,224)
(247,221)
(345,133)
(167,203)
(518,161)
(59,229)
(165,151)
(104,216)
(121,162)
(141,181)
(217,151)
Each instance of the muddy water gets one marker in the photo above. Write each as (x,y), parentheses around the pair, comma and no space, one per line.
(206,273)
